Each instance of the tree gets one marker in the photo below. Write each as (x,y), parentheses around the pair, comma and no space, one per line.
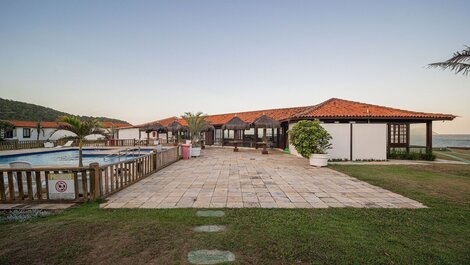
(196,123)
(459,63)
(309,137)
(81,129)
(5,126)
(39,129)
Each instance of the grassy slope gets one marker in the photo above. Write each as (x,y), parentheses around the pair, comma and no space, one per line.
(16,110)
(440,234)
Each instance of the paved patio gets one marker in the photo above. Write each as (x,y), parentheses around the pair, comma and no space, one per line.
(222,178)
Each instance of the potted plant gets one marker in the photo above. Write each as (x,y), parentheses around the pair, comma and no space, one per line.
(311,141)
(196,124)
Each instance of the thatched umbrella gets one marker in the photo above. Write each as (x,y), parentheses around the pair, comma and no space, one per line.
(235,124)
(176,127)
(152,127)
(265,122)
(206,129)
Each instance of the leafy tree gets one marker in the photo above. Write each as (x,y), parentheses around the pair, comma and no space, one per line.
(81,129)
(309,137)
(459,63)
(5,126)
(196,123)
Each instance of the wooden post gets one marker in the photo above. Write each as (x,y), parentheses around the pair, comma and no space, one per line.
(256,138)
(223,137)
(264,152)
(429,136)
(408,138)
(235,139)
(95,181)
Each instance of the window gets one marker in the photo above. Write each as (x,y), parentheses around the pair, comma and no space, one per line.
(26,133)
(398,134)
(8,134)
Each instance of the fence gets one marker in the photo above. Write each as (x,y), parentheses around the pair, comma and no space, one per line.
(89,183)
(15,144)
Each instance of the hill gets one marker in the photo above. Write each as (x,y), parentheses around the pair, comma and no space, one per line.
(16,110)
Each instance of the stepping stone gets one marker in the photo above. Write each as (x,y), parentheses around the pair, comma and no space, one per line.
(210,213)
(210,256)
(209,228)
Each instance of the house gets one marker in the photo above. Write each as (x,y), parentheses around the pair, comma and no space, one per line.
(360,131)
(26,130)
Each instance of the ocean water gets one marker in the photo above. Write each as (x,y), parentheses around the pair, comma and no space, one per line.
(451,140)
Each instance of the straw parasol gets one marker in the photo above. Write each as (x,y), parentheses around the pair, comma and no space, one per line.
(176,127)
(265,122)
(153,127)
(235,124)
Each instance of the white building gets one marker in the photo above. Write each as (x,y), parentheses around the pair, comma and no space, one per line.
(26,131)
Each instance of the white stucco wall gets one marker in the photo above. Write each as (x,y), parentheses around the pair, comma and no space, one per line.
(341,142)
(48,133)
(130,133)
(369,141)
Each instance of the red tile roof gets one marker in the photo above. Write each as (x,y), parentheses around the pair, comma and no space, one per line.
(333,108)
(54,124)
(340,108)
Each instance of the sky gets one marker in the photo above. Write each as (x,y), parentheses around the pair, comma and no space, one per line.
(145,60)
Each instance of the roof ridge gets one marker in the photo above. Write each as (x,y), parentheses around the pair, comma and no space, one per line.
(391,108)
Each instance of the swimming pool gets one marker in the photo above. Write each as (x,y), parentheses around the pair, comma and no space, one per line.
(63,158)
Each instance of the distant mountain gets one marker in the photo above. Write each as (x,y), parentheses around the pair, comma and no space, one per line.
(16,110)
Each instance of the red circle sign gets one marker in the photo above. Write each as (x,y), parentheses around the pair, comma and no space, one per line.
(61,186)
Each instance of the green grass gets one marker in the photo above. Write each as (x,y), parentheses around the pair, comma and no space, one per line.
(454,155)
(437,235)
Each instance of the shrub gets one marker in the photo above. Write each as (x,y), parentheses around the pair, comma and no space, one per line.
(309,137)
(412,155)
(23,215)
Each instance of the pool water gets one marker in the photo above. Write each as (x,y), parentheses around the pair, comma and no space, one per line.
(62,158)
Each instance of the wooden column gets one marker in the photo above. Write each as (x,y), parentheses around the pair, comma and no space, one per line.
(167,141)
(408,138)
(256,138)
(429,136)
(223,137)
(265,142)
(235,139)
(278,144)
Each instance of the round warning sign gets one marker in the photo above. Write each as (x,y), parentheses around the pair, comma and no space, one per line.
(61,186)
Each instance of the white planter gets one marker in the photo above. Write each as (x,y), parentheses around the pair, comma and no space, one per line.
(196,151)
(319,160)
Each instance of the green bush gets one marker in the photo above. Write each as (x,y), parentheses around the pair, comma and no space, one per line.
(309,137)
(402,154)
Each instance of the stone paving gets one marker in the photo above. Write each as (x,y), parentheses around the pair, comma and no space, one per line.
(223,178)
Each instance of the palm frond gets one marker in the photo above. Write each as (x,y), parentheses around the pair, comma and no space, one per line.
(458,62)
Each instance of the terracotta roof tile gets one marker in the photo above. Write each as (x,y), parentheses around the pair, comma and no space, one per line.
(332,108)
(340,108)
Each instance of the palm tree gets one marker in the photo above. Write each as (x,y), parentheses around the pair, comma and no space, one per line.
(39,129)
(196,123)
(81,129)
(460,62)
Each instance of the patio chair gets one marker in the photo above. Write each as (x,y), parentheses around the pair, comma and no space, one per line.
(67,144)
(48,144)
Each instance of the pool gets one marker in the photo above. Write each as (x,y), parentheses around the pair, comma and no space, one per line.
(64,158)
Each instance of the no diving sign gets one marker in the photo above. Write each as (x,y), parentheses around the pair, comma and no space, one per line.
(61,186)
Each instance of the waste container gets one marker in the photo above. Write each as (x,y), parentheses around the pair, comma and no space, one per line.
(186,151)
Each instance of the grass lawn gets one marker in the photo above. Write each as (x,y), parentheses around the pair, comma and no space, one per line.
(437,235)
(454,154)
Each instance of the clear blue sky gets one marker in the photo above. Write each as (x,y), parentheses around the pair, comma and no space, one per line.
(145,60)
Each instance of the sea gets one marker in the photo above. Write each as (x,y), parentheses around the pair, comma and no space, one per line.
(451,140)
